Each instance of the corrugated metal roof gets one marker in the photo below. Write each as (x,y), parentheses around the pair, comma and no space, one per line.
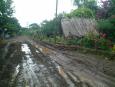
(78,26)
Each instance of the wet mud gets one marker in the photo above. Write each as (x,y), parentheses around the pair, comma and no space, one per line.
(9,60)
(25,64)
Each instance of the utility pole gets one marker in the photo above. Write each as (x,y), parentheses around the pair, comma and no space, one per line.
(56,18)
(56,7)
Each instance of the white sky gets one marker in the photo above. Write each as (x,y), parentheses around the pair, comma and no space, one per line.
(35,11)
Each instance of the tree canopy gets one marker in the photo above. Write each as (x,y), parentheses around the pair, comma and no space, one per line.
(34,26)
(52,27)
(92,4)
(81,12)
(6,8)
(8,24)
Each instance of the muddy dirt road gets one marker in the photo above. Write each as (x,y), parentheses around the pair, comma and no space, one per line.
(26,63)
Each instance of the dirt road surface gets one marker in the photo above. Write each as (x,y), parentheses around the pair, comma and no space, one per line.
(29,63)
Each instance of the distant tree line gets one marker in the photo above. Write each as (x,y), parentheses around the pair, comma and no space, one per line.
(103,12)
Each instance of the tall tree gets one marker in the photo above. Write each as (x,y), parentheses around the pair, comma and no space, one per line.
(8,24)
(106,9)
(52,27)
(6,8)
(112,7)
(87,4)
(34,26)
(92,4)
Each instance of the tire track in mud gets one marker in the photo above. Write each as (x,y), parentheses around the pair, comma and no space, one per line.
(10,58)
(31,68)
(38,70)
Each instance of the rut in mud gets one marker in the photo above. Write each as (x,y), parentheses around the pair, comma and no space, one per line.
(32,64)
(27,66)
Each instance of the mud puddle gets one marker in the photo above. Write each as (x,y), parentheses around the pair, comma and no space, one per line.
(31,68)
(10,59)
(43,73)
(33,65)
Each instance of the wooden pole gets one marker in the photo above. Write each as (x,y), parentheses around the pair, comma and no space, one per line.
(56,7)
(56,17)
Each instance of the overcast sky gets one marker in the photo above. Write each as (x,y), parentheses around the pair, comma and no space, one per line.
(35,11)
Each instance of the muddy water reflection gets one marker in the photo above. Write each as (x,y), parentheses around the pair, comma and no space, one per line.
(26,49)
(39,71)
(38,74)
(29,66)
(17,69)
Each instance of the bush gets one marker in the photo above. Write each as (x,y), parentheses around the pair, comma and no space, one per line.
(81,12)
(95,41)
(72,41)
(103,44)
(88,40)
(107,27)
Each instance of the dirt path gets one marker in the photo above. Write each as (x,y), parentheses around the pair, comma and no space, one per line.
(32,64)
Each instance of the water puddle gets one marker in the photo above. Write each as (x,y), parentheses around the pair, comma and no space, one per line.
(27,60)
(37,51)
(26,49)
(17,69)
(37,74)
(29,67)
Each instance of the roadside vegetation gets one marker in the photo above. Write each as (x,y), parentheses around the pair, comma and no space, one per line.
(9,25)
(51,31)
(104,14)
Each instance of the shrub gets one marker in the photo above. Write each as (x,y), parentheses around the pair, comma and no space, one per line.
(81,12)
(103,44)
(72,41)
(95,41)
(107,27)
(88,40)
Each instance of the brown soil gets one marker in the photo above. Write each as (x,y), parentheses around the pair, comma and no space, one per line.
(30,63)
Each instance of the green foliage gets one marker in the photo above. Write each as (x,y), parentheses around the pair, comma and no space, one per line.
(34,26)
(91,4)
(52,27)
(81,12)
(12,24)
(25,31)
(5,8)
(107,27)
(86,42)
(8,24)
(72,41)
(112,7)
(48,27)
(59,39)
(90,40)
(106,10)
(103,44)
